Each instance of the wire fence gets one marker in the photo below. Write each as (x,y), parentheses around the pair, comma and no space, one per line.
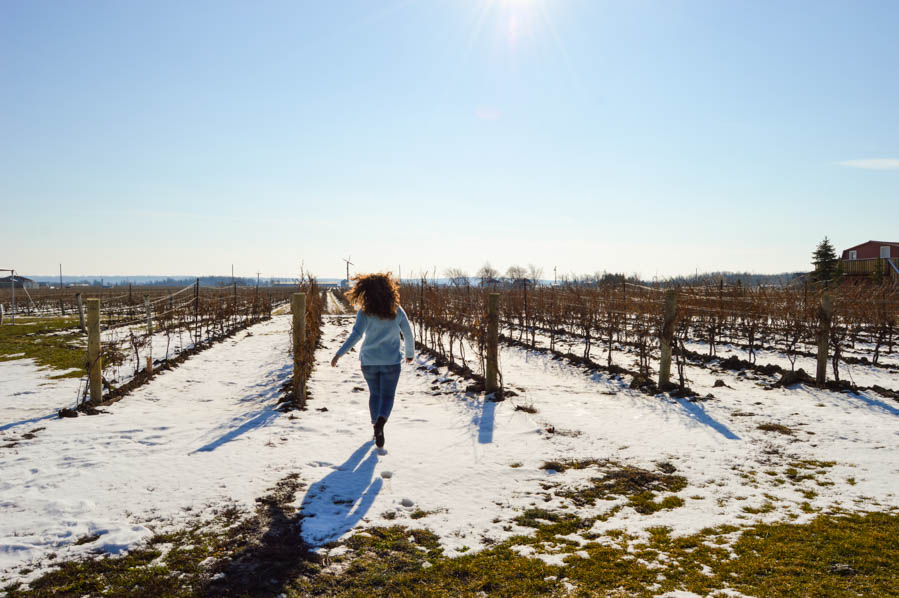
(136,340)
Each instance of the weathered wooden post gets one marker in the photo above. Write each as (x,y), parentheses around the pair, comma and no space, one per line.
(421,310)
(80,311)
(825,312)
(149,314)
(298,309)
(94,364)
(149,364)
(492,383)
(196,311)
(665,337)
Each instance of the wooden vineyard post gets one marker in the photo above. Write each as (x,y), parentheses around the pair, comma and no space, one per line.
(665,338)
(80,311)
(149,364)
(421,310)
(824,316)
(298,309)
(149,314)
(196,312)
(94,365)
(492,384)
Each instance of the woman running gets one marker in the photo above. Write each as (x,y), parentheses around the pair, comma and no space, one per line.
(381,321)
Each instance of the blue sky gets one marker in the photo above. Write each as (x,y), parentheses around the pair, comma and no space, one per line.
(650,137)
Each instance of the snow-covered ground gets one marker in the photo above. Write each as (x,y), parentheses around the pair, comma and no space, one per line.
(28,394)
(207,435)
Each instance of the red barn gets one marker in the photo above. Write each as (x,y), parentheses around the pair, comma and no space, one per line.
(865,259)
(871,250)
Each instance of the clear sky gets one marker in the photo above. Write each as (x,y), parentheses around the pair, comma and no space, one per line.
(653,137)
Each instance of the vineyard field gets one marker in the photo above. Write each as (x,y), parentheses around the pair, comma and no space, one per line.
(580,475)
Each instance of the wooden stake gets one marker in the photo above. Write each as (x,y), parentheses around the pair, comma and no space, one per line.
(196,311)
(94,361)
(825,312)
(492,373)
(298,309)
(149,314)
(80,312)
(665,338)
(149,364)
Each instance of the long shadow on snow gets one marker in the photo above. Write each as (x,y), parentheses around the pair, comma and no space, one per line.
(336,503)
(872,403)
(271,384)
(269,550)
(483,410)
(272,547)
(32,420)
(261,418)
(271,389)
(700,415)
(485,420)
(483,416)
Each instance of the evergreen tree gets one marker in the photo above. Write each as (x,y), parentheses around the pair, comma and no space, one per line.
(826,261)
(878,273)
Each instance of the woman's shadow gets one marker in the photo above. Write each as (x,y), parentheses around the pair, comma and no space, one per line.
(336,503)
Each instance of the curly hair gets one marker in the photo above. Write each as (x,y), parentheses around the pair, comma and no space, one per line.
(377,294)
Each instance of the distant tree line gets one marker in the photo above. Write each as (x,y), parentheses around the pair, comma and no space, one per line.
(517,276)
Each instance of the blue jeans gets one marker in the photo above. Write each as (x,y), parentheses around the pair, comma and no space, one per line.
(382,381)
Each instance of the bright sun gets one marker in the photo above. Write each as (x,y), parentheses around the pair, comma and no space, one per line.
(514,23)
(517,18)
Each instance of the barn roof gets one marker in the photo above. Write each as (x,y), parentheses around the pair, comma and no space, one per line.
(893,243)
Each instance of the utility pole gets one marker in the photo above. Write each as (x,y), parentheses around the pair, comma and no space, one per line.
(60,276)
(555,276)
